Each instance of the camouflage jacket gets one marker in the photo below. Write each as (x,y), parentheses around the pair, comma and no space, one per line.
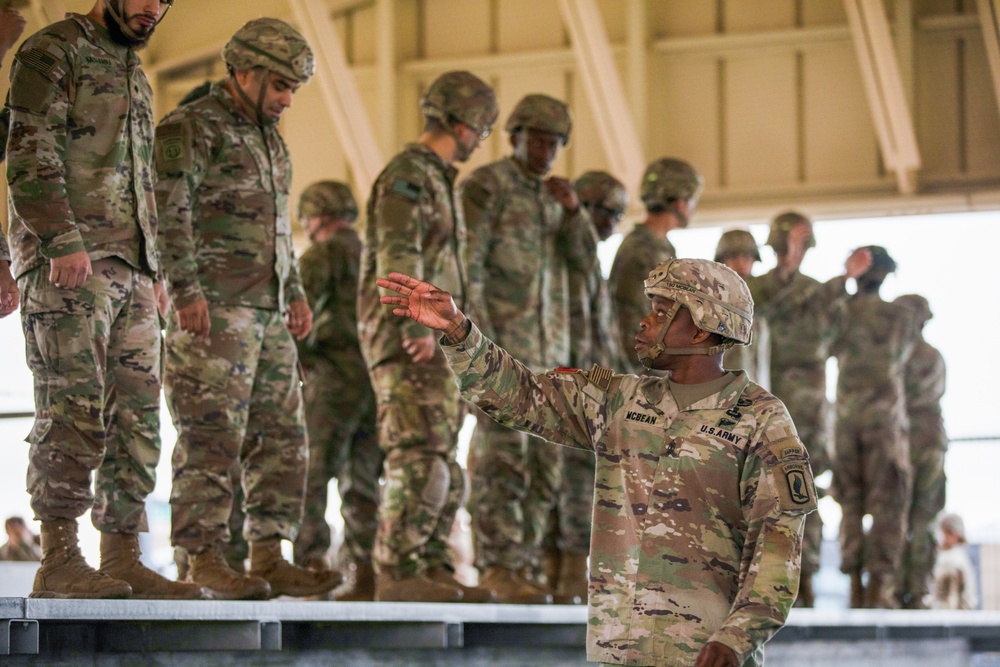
(80,151)
(924,385)
(522,245)
(593,339)
(330,278)
(226,235)
(698,513)
(414,227)
(639,253)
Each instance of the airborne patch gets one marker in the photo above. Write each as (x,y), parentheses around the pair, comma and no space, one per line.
(172,146)
(798,487)
(405,189)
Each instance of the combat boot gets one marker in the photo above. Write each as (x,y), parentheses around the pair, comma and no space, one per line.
(443,575)
(573,579)
(209,569)
(120,560)
(415,588)
(857,590)
(806,597)
(64,573)
(363,584)
(267,563)
(511,588)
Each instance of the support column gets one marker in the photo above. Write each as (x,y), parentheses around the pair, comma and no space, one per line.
(989,20)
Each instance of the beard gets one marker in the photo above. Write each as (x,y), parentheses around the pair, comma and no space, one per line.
(120,38)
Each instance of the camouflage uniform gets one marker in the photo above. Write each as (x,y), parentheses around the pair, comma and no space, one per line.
(339,405)
(523,246)
(22,553)
(685,501)
(79,167)
(226,237)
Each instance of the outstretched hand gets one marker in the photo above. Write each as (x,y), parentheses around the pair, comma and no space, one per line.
(858,263)
(421,302)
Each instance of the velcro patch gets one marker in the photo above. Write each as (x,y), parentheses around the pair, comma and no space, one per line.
(173,150)
(405,189)
(795,489)
(600,376)
(38,60)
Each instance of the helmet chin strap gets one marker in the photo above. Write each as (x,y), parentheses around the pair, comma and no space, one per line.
(258,106)
(119,16)
(650,354)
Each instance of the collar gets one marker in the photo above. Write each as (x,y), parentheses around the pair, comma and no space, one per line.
(655,389)
(229,103)
(521,173)
(449,171)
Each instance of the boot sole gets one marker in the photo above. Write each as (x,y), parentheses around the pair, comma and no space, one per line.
(222,595)
(53,595)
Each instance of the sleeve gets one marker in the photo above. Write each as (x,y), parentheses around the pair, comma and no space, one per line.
(778,492)
(561,407)
(40,100)
(578,241)
(181,152)
(4,248)
(293,286)
(481,195)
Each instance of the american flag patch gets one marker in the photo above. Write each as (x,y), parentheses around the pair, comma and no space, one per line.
(405,189)
(38,60)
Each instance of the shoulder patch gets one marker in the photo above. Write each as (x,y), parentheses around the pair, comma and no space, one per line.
(406,189)
(173,149)
(38,60)
(600,376)
(34,81)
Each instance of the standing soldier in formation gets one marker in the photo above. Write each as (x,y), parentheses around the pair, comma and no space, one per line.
(231,376)
(526,234)
(738,250)
(871,473)
(803,317)
(414,224)
(670,190)
(83,235)
(924,384)
(338,396)
(702,484)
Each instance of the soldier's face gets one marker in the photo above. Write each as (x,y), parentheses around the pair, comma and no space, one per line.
(143,15)
(273,91)
(536,150)
(741,264)
(604,220)
(680,332)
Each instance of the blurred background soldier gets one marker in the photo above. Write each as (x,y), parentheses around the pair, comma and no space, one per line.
(22,545)
(924,384)
(526,234)
(871,473)
(231,375)
(738,250)
(803,317)
(670,190)
(83,236)
(11,26)
(414,225)
(955,581)
(338,397)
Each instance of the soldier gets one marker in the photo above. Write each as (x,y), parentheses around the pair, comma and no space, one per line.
(526,234)
(83,236)
(670,190)
(924,384)
(702,484)
(803,317)
(738,250)
(231,376)
(22,545)
(414,223)
(871,473)
(339,401)
(11,26)
(955,584)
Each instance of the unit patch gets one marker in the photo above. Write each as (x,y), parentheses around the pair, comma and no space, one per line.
(728,436)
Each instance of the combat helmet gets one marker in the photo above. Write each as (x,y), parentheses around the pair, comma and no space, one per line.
(736,242)
(116,8)
(328,198)
(881,259)
(464,97)
(782,224)
(717,298)
(669,179)
(601,189)
(273,45)
(541,112)
(919,305)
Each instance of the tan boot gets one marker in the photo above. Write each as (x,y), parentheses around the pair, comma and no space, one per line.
(120,560)
(64,573)
(363,586)
(806,597)
(210,570)
(574,580)
(267,563)
(511,588)
(443,575)
(857,590)
(416,588)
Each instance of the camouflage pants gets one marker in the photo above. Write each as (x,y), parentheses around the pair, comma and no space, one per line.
(340,419)
(515,484)
(94,353)
(235,398)
(572,517)
(803,391)
(418,420)
(871,476)
(236,550)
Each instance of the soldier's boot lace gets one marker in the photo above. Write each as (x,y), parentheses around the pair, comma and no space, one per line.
(445,575)
(362,583)
(510,588)
(120,560)
(414,588)
(285,578)
(209,569)
(573,579)
(64,573)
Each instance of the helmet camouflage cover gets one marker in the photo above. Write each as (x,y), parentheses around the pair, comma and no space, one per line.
(541,112)
(328,198)
(273,45)
(669,179)
(736,242)
(919,305)
(777,238)
(461,96)
(599,188)
(881,259)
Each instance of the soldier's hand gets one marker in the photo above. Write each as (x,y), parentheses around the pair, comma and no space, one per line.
(300,318)
(421,302)
(420,349)
(9,295)
(858,263)
(564,192)
(194,319)
(70,271)
(716,654)
(162,298)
